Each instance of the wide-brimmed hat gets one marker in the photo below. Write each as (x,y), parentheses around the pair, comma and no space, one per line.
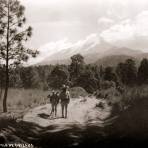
(63,86)
(67,87)
(53,91)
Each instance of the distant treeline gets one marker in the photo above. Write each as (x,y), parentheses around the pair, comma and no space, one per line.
(87,76)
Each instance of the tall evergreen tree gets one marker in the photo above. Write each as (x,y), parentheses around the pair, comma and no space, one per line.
(87,80)
(109,74)
(58,77)
(143,72)
(127,72)
(131,72)
(13,35)
(76,66)
(121,72)
(26,75)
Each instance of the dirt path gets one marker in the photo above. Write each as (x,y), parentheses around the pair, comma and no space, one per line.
(82,111)
(83,127)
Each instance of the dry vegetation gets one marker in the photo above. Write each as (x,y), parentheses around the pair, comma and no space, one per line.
(20,99)
(132,122)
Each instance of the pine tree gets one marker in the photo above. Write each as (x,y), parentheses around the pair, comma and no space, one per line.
(76,66)
(143,72)
(109,74)
(127,72)
(13,35)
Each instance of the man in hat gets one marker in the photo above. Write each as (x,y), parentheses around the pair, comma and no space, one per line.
(54,100)
(65,99)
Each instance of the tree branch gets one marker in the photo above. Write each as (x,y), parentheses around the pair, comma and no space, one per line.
(12,39)
(3,12)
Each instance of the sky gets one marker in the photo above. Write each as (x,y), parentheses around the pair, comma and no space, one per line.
(123,23)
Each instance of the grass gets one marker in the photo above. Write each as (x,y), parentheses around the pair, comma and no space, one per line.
(20,99)
(132,121)
(132,95)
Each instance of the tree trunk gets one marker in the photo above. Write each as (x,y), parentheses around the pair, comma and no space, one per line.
(6,89)
(7,66)
(1,89)
(1,93)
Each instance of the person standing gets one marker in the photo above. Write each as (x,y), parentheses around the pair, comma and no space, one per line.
(65,99)
(54,100)
(56,103)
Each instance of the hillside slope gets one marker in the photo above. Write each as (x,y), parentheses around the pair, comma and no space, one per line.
(99,54)
(114,60)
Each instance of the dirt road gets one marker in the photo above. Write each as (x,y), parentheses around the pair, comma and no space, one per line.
(84,126)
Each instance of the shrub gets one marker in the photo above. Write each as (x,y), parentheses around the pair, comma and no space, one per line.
(107,84)
(76,92)
(134,115)
(109,93)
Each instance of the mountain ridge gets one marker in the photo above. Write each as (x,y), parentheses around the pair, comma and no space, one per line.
(98,57)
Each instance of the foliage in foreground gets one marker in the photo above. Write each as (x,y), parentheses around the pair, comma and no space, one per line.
(132,121)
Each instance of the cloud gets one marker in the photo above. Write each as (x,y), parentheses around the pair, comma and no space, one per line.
(131,33)
(141,24)
(90,40)
(79,24)
(121,31)
(54,20)
(105,22)
(128,32)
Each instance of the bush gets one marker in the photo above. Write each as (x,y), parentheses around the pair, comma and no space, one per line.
(134,116)
(76,92)
(107,84)
(110,94)
(133,94)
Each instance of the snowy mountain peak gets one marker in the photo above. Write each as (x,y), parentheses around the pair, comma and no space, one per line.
(92,48)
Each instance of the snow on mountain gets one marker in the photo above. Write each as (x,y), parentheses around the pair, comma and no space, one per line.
(92,48)
(63,50)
